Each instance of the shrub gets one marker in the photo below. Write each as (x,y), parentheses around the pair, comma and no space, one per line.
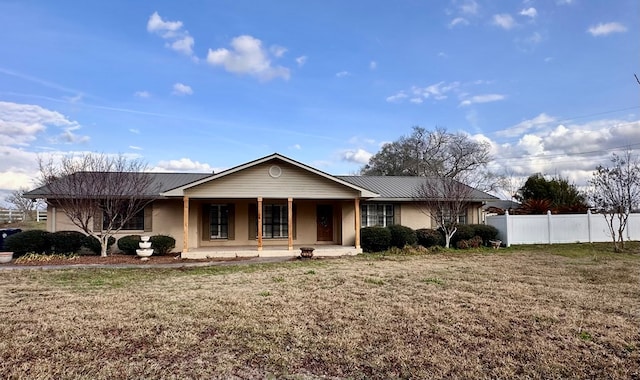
(162,244)
(462,244)
(428,237)
(401,236)
(31,241)
(128,244)
(474,242)
(63,242)
(93,244)
(464,232)
(375,239)
(485,232)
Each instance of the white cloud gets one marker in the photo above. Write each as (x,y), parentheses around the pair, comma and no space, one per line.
(181,89)
(296,147)
(469,7)
(373,65)
(569,149)
(437,91)
(21,123)
(359,156)
(458,21)
(142,94)
(606,29)
(171,31)
(183,45)
(184,165)
(301,60)
(442,54)
(397,97)
(277,51)
(486,98)
(247,56)
(416,100)
(529,12)
(342,74)
(503,20)
(157,25)
(134,131)
(134,147)
(528,44)
(541,121)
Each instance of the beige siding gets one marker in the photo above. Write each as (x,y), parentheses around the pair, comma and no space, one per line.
(256,182)
(412,216)
(348,223)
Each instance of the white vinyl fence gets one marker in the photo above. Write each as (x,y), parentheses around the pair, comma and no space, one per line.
(551,229)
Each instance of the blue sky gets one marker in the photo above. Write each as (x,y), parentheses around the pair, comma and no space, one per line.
(213,84)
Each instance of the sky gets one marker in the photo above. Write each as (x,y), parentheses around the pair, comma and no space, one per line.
(207,85)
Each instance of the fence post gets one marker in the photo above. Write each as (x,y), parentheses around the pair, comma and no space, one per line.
(549,225)
(589,224)
(507,223)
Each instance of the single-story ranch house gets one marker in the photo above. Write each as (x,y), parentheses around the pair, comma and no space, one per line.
(269,206)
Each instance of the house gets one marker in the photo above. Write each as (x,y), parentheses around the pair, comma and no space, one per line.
(270,206)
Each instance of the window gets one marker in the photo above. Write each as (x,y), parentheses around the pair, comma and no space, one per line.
(136,222)
(461,219)
(219,221)
(275,223)
(376,215)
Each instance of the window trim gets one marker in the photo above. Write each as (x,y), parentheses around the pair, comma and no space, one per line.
(221,208)
(282,224)
(370,212)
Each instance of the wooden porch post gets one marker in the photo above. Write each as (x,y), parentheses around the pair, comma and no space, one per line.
(185,225)
(357,223)
(259,223)
(290,222)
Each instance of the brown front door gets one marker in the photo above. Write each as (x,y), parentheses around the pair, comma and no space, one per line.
(325,222)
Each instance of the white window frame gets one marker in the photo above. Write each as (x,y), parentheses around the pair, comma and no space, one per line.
(377,214)
(218,211)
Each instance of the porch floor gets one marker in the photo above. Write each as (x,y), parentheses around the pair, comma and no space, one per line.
(270,251)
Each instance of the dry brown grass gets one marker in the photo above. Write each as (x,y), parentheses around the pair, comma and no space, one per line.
(508,314)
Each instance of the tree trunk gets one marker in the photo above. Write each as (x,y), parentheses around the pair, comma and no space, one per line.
(104,239)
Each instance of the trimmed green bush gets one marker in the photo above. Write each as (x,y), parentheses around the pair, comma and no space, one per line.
(428,237)
(64,242)
(375,239)
(31,241)
(402,235)
(162,244)
(486,232)
(93,244)
(128,244)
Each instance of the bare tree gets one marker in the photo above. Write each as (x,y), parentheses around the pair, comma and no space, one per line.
(444,200)
(98,190)
(436,153)
(20,203)
(616,192)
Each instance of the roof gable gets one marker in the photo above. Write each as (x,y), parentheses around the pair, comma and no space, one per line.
(275,158)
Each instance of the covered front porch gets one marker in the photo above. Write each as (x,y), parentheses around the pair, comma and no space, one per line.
(320,250)
(215,227)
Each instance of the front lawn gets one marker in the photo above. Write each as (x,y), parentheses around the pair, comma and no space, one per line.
(528,312)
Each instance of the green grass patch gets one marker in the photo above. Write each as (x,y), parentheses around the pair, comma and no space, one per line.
(433,280)
(374,281)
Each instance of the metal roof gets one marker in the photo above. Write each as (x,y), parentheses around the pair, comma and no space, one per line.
(376,187)
(160,182)
(401,187)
